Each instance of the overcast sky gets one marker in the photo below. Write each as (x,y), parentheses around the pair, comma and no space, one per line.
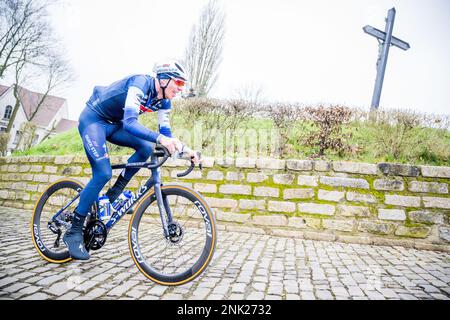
(294,50)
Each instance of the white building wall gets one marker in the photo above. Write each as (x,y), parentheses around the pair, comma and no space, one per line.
(60,114)
(8,99)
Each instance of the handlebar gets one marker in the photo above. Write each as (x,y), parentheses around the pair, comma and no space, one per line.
(160,152)
(191,167)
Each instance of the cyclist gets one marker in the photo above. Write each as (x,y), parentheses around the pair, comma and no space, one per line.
(111,115)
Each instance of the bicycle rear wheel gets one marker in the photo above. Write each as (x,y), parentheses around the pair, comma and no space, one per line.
(47,234)
(186,253)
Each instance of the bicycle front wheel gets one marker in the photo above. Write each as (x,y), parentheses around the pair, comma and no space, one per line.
(187,251)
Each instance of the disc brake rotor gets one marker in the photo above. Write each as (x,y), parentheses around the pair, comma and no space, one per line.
(176,233)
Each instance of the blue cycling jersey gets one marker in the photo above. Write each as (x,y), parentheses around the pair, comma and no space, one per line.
(124,100)
(111,115)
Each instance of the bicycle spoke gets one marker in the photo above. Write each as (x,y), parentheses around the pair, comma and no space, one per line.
(162,260)
(182,254)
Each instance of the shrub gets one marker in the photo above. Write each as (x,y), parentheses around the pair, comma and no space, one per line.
(284,117)
(208,112)
(219,120)
(394,131)
(329,134)
(4,138)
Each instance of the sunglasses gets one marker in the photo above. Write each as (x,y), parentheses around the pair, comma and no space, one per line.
(179,83)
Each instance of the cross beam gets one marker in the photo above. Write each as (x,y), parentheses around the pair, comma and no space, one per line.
(386,40)
(382,36)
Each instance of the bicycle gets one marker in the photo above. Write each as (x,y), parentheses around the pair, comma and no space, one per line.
(170,250)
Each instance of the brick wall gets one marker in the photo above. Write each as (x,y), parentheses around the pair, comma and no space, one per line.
(391,204)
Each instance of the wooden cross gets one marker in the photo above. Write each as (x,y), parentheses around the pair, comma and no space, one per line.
(385,40)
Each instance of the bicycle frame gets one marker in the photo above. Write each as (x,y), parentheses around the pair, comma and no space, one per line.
(153,182)
(67,205)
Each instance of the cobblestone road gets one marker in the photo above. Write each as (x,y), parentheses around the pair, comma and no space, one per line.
(245,266)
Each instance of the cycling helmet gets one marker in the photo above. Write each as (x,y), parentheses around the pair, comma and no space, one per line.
(170,70)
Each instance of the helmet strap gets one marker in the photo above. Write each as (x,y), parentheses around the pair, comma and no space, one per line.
(164,88)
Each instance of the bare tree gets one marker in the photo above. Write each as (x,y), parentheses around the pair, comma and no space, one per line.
(29,53)
(18,68)
(250,92)
(24,31)
(55,73)
(204,51)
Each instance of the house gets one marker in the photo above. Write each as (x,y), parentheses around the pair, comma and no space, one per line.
(52,114)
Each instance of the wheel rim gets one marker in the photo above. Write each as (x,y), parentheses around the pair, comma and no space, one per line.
(172,262)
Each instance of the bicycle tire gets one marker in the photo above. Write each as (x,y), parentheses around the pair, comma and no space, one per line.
(42,237)
(208,232)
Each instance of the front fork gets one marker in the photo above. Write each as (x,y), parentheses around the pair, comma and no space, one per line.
(163,203)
